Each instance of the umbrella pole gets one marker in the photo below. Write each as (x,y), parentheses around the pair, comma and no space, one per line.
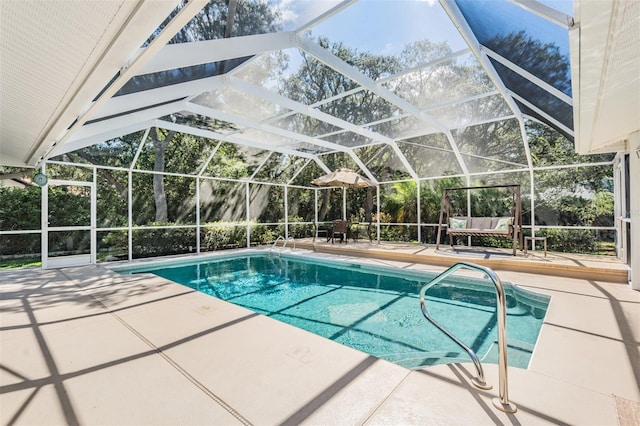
(344,203)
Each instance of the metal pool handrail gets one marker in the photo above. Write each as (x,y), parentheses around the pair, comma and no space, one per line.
(502,403)
(285,243)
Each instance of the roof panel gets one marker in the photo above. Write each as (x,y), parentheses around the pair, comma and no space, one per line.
(266,138)
(532,43)
(348,139)
(403,127)
(444,81)
(529,41)
(242,104)
(383,162)
(360,108)
(537,96)
(401,23)
(492,146)
(246,18)
(486,108)
(154,80)
(297,75)
(305,125)
(429,161)
(235,161)
(200,122)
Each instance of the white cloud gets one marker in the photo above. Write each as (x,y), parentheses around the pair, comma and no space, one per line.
(287,12)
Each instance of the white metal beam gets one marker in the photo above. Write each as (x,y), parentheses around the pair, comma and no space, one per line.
(125,121)
(124,103)
(173,56)
(228,138)
(221,115)
(113,133)
(546,12)
(542,113)
(456,152)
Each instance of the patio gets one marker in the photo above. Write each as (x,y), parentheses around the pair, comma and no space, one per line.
(135,129)
(86,345)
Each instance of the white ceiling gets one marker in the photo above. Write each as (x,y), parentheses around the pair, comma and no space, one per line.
(606,82)
(56,56)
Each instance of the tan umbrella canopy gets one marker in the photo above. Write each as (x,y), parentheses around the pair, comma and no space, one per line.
(344,178)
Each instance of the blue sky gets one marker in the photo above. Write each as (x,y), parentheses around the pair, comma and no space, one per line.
(386,26)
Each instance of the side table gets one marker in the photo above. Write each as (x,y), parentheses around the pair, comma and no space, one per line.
(526,243)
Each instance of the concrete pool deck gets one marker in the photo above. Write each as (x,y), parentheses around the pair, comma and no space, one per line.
(86,345)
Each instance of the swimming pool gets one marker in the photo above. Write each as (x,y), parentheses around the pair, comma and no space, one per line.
(375,310)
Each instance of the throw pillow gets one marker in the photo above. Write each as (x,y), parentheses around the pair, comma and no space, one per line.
(457,223)
(504,223)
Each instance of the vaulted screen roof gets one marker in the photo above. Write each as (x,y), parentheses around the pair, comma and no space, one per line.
(309,79)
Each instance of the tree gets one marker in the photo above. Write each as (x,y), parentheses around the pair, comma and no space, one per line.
(314,82)
(160,143)
(541,59)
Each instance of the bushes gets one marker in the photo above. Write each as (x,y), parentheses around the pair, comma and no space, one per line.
(297,230)
(569,241)
(163,241)
(221,235)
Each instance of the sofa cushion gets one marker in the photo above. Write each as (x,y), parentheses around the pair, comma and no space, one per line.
(503,223)
(480,223)
(457,222)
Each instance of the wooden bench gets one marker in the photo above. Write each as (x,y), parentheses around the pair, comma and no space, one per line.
(495,226)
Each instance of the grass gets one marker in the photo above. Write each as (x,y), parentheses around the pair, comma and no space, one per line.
(19,263)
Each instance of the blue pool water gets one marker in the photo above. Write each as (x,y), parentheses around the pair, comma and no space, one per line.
(373,310)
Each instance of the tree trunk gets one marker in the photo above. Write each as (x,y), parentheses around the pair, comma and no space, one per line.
(324,207)
(368,205)
(159,194)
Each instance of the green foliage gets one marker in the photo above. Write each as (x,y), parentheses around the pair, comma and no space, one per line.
(569,240)
(298,230)
(19,245)
(401,203)
(222,235)
(20,208)
(400,233)
(263,234)
(19,263)
(163,241)
(599,211)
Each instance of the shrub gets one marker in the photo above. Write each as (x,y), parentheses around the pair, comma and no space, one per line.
(569,240)
(298,230)
(221,235)
(163,241)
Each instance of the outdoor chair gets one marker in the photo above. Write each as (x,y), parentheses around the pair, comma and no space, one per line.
(340,228)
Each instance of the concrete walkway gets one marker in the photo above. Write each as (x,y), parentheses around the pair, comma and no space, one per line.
(90,346)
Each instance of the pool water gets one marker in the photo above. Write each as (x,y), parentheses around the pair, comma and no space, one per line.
(375,311)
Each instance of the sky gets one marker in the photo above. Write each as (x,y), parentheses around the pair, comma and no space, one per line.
(386,26)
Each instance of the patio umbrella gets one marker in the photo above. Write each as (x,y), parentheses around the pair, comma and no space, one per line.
(344,178)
